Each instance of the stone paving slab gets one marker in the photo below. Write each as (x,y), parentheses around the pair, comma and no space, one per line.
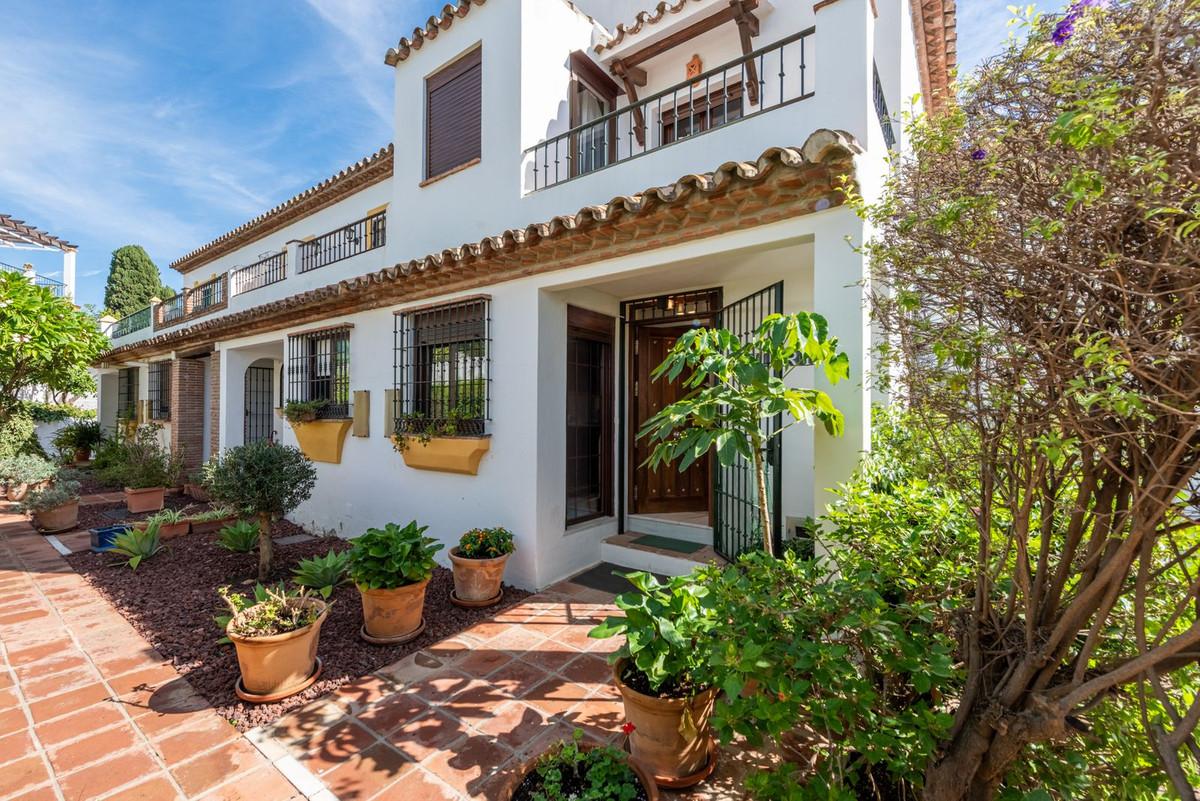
(88,710)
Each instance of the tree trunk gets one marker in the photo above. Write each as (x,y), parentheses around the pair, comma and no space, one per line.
(264,547)
(764,514)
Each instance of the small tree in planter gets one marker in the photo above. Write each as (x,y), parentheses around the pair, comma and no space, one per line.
(735,386)
(145,468)
(265,480)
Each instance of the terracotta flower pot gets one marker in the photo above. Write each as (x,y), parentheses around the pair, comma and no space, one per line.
(393,614)
(530,764)
(83,454)
(144,500)
(279,665)
(169,531)
(656,740)
(209,526)
(477,579)
(17,492)
(60,518)
(196,492)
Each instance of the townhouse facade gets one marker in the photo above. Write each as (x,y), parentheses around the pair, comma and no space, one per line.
(570,186)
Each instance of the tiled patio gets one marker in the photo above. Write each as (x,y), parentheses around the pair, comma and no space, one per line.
(89,711)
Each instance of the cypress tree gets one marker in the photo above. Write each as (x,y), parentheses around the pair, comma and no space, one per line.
(132,280)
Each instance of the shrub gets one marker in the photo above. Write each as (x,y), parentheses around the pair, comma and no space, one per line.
(26,469)
(302,411)
(143,462)
(54,412)
(485,543)
(80,435)
(17,437)
(662,625)
(239,537)
(138,545)
(567,771)
(271,611)
(390,557)
(52,497)
(323,573)
(262,479)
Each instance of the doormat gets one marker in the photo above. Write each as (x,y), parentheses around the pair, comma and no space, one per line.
(668,543)
(607,577)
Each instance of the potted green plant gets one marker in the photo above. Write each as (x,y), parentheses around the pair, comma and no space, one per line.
(79,438)
(658,670)
(275,634)
(54,508)
(391,566)
(214,519)
(569,769)
(264,480)
(478,563)
(440,444)
(172,523)
(321,439)
(23,473)
(145,469)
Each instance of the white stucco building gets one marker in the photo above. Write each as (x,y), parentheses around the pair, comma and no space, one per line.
(563,196)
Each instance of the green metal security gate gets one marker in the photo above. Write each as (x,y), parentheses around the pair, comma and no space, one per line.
(735,494)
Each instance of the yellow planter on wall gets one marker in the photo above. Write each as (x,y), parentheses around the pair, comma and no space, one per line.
(447,454)
(321,440)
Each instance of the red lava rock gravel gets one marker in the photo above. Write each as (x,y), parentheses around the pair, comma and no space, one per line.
(172,599)
(96,515)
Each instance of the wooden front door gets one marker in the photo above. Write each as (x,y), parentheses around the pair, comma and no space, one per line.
(665,489)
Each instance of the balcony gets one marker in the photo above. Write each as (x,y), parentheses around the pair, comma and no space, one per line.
(264,272)
(769,78)
(357,237)
(189,304)
(131,323)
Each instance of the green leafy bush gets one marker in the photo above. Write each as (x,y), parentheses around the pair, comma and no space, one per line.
(239,537)
(665,627)
(264,480)
(142,462)
(303,411)
(271,611)
(80,435)
(54,412)
(138,545)
(26,469)
(17,437)
(57,494)
(390,557)
(323,573)
(569,771)
(485,543)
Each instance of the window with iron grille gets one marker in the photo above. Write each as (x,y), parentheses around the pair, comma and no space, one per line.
(318,369)
(127,393)
(443,368)
(160,391)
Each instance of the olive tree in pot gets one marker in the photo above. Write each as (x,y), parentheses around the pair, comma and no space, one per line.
(659,671)
(734,387)
(478,564)
(54,508)
(262,480)
(275,635)
(391,566)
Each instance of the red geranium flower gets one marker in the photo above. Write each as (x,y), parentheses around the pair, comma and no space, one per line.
(628,728)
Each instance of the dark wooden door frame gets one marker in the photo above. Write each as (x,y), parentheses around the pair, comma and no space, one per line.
(586,324)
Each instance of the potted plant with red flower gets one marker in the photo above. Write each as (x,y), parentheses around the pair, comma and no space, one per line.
(478,563)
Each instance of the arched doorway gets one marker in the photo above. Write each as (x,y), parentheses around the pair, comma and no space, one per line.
(260,420)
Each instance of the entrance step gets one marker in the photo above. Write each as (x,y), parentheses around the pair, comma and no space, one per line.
(648,554)
(676,526)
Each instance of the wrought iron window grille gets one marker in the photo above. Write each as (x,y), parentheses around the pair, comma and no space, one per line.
(318,369)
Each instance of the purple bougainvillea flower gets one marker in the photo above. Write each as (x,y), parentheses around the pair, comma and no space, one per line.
(978,154)
(1063,30)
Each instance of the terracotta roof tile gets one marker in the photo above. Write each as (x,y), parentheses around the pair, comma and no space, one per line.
(643,19)
(934,28)
(433,26)
(18,232)
(359,175)
(826,153)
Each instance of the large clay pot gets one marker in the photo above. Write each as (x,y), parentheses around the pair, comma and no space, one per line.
(60,518)
(656,741)
(531,763)
(83,454)
(280,665)
(17,492)
(477,580)
(392,615)
(144,500)
(209,526)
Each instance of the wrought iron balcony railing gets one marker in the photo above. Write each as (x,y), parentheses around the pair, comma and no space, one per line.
(357,237)
(262,273)
(131,322)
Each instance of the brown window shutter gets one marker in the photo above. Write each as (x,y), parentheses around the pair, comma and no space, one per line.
(454,115)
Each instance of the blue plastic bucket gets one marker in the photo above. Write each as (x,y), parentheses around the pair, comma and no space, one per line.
(102,538)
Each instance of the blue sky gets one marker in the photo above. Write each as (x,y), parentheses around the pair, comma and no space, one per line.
(166,124)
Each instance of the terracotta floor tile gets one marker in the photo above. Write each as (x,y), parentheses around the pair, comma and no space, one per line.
(37,689)
(425,736)
(23,617)
(577,637)
(70,701)
(43,793)
(185,743)
(482,661)
(122,662)
(92,719)
(15,746)
(69,658)
(588,670)
(412,667)
(468,766)
(92,748)
(601,715)
(419,785)
(550,655)
(299,726)
(385,716)
(367,773)
(157,789)
(439,686)
(555,696)
(22,775)
(487,630)
(12,720)
(37,651)
(361,692)
(145,678)
(207,771)
(6,678)
(9,698)
(263,784)
(516,640)
(477,702)
(514,723)
(449,650)
(517,678)
(333,746)
(102,777)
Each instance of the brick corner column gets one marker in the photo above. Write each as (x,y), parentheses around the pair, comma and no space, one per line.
(187,410)
(214,403)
